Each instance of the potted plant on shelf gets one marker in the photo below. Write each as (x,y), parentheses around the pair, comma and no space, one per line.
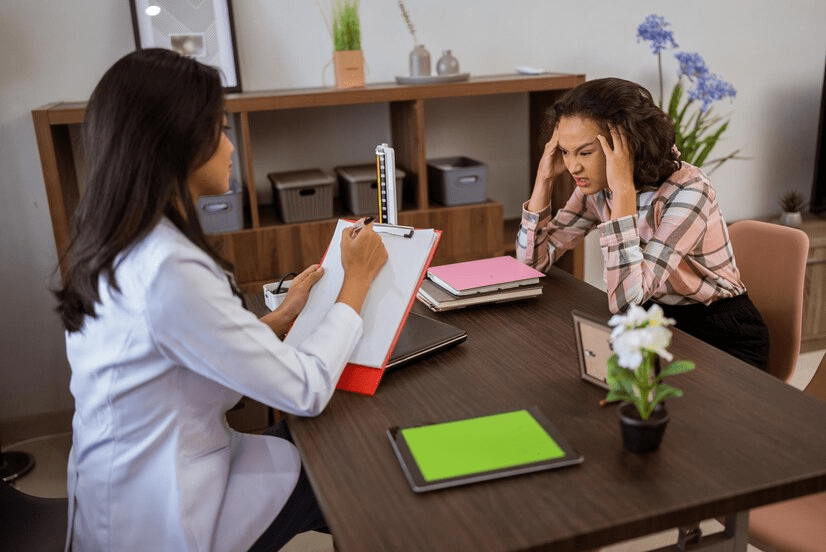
(792,204)
(639,339)
(697,129)
(348,60)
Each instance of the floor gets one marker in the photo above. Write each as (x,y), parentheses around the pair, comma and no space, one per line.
(48,478)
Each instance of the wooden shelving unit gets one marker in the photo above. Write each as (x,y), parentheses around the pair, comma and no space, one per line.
(266,248)
(814,292)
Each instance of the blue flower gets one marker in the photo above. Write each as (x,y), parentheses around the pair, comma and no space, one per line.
(653,29)
(697,130)
(711,88)
(691,65)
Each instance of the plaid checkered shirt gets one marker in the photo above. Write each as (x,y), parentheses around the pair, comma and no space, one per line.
(674,251)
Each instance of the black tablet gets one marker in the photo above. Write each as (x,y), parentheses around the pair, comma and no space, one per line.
(458,452)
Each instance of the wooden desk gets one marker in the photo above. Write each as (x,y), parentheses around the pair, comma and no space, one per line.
(738,439)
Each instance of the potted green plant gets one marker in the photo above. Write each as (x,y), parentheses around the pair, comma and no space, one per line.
(348,59)
(792,204)
(639,339)
(697,129)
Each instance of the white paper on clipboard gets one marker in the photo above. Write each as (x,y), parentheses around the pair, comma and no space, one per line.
(388,301)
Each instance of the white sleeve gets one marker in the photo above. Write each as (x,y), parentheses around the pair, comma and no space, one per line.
(196,321)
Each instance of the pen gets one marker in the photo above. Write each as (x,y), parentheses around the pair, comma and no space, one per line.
(361,224)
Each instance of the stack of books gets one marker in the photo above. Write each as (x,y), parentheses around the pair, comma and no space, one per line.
(494,280)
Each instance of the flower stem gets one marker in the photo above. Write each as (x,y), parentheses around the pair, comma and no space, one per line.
(660,65)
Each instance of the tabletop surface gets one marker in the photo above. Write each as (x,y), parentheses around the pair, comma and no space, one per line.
(737,439)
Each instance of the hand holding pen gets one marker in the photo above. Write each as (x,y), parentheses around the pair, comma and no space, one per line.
(360,224)
(362,256)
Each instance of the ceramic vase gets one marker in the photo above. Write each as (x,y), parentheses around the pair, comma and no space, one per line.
(795,220)
(447,64)
(419,62)
(642,436)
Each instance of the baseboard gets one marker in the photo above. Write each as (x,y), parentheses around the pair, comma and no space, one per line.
(14,430)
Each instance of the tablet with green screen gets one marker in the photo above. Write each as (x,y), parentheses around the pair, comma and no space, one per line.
(457,452)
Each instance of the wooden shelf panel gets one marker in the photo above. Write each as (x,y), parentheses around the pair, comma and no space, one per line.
(266,253)
(814,291)
(266,249)
(392,92)
(62,113)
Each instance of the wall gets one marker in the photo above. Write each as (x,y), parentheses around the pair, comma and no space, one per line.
(53,51)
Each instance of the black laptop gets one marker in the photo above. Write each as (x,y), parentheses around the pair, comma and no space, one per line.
(420,337)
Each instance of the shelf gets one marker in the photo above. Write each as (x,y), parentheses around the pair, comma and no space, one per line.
(814,290)
(66,113)
(267,248)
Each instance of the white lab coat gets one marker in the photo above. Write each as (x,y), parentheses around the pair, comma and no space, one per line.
(154,465)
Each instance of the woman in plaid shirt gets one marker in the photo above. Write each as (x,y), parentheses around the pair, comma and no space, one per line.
(661,232)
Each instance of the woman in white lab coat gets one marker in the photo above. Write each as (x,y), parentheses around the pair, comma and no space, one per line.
(160,345)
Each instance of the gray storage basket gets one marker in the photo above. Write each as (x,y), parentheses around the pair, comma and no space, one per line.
(457,180)
(221,212)
(302,195)
(359,188)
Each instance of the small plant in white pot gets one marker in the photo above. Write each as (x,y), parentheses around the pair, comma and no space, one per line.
(639,339)
(792,204)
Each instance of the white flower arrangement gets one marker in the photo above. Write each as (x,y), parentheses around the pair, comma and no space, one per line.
(639,339)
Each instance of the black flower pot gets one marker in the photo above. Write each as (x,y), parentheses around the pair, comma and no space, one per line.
(638,435)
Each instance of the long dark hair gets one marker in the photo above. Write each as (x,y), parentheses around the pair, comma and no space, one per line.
(153,118)
(629,106)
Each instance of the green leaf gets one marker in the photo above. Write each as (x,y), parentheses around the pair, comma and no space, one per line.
(618,373)
(711,141)
(623,380)
(346,26)
(616,395)
(642,407)
(677,367)
(714,164)
(674,103)
(665,392)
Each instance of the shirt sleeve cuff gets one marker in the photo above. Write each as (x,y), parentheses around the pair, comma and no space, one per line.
(530,219)
(347,312)
(613,232)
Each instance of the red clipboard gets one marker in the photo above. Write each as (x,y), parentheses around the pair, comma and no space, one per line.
(386,307)
(365,379)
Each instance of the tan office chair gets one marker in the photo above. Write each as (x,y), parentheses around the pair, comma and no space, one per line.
(31,523)
(772,263)
(797,525)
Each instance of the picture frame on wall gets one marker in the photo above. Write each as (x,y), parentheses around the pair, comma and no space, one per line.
(202,29)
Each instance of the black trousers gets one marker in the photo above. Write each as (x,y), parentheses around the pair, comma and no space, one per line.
(300,514)
(733,325)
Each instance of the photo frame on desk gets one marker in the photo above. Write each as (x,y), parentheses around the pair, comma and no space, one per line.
(203,30)
(593,347)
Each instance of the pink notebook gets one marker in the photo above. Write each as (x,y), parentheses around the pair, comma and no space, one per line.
(483,275)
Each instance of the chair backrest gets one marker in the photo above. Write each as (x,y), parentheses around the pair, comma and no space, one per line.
(772,263)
